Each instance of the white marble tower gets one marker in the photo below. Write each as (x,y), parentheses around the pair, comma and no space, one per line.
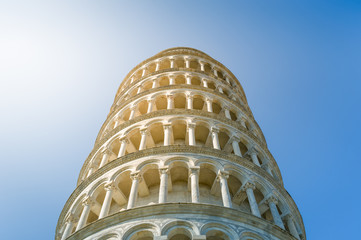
(180,156)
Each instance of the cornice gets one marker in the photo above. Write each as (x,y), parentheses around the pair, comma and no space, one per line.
(171,70)
(206,152)
(180,112)
(178,149)
(197,209)
(182,50)
(245,110)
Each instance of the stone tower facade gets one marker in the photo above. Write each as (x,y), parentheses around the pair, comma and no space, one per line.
(180,156)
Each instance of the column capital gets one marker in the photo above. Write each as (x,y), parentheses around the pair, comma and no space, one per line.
(143,131)
(109,186)
(272,199)
(170,96)
(189,95)
(87,200)
(248,185)
(287,216)
(214,130)
(167,125)
(71,218)
(252,150)
(191,125)
(193,170)
(209,99)
(133,107)
(235,138)
(163,170)
(106,150)
(136,176)
(124,139)
(149,100)
(222,175)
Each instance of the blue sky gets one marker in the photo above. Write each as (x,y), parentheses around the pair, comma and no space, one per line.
(62,62)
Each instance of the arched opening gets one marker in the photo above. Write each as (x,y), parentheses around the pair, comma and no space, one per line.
(179,62)
(124,183)
(147,85)
(157,134)
(179,234)
(216,234)
(179,132)
(180,79)
(163,81)
(202,134)
(134,141)
(209,190)
(164,64)
(179,179)
(216,108)
(211,85)
(143,107)
(223,139)
(161,102)
(179,101)
(198,102)
(194,64)
(196,81)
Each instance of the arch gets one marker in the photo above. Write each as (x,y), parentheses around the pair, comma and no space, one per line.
(188,226)
(250,236)
(218,231)
(110,236)
(144,231)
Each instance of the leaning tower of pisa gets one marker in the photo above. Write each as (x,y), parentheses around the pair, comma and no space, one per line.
(180,156)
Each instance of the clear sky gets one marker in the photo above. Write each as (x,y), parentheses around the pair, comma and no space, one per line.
(61,63)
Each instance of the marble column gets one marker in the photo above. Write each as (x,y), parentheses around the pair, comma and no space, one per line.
(191,134)
(209,105)
(220,89)
(171,80)
(235,140)
(87,203)
(253,153)
(109,188)
(123,146)
(187,62)
(291,226)
(215,71)
(136,178)
(68,227)
(143,140)
(157,64)
(140,88)
(155,83)
(202,65)
(215,139)
(170,101)
(226,197)
(167,134)
(272,201)
(194,176)
(227,112)
(205,83)
(144,71)
(243,122)
(189,101)
(171,62)
(163,187)
(106,154)
(150,105)
(188,80)
(249,187)
(132,112)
